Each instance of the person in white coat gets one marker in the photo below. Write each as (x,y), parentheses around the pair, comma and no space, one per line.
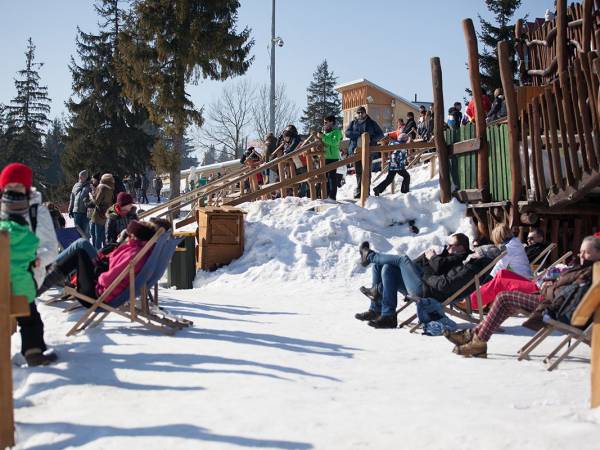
(515,258)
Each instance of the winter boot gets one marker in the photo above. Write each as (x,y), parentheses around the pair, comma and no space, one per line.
(372,293)
(35,357)
(357,193)
(390,321)
(365,251)
(460,337)
(54,277)
(474,348)
(367,315)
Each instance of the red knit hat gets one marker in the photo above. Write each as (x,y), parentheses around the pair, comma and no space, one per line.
(124,199)
(16,173)
(597,234)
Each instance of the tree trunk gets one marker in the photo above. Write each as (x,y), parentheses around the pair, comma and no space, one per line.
(175,174)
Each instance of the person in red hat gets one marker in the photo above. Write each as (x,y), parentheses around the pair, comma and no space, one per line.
(22,204)
(118,217)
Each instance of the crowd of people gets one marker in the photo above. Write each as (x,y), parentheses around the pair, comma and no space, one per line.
(493,110)
(510,286)
(35,262)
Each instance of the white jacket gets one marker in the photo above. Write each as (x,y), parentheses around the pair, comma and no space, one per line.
(48,249)
(514,260)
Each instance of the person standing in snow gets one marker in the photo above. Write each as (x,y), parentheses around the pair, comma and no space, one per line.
(101,200)
(397,165)
(331,138)
(79,202)
(33,247)
(157,184)
(362,124)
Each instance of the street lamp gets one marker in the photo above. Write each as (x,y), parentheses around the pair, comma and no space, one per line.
(275,41)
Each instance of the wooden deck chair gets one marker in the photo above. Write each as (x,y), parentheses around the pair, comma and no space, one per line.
(570,332)
(166,254)
(540,260)
(447,304)
(100,309)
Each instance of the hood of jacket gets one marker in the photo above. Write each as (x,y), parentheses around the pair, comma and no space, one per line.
(108,179)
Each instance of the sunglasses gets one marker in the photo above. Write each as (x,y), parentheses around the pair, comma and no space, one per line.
(360,113)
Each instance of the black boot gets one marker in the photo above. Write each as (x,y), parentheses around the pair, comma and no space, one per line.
(54,277)
(367,315)
(365,251)
(357,193)
(371,293)
(36,357)
(390,321)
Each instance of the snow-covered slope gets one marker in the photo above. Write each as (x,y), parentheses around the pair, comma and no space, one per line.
(276,359)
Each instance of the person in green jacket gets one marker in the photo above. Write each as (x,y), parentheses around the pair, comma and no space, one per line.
(15,217)
(331,138)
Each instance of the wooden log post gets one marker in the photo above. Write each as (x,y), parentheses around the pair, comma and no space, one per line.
(520,51)
(365,181)
(438,131)
(483,174)
(588,19)
(512,112)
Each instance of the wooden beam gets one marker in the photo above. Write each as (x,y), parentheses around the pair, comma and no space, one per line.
(365,181)
(468,146)
(7,420)
(438,130)
(480,116)
(513,124)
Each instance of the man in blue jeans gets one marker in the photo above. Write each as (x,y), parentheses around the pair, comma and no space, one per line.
(78,202)
(393,273)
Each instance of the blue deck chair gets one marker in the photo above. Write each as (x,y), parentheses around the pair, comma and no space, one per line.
(166,255)
(66,236)
(99,306)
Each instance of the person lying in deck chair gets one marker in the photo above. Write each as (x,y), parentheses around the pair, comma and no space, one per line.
(418,278)
(473,341)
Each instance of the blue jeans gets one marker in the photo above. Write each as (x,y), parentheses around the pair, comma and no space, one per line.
(98,233)
(392,274)
(79,244)
(81,220)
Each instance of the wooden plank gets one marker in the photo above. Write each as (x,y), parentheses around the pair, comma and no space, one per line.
(583,149)
(547,139)
(438,130)
(537,148)
(365,182)
(558,96)
(585,116)
(7,424)
(558,179)
(470,145)
(569,115)
(525,143)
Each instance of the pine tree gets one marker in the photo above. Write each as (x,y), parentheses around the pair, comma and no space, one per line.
(27,117)
(490,35)
(322,100)
(107,132)
(54,146)
(210,156)
(169,43)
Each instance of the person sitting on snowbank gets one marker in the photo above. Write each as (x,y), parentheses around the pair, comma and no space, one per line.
(418,278)
(473,341)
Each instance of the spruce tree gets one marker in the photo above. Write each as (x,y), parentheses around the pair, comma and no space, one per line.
(169,43)
(107,132)
(27,118)
(210,156)
(54,146)
(322,99)
(492,33)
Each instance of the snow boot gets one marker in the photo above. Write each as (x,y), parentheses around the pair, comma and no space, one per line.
(365,251)
(55,277)
(372,293)
(357,193)
(390,321)
(36,357)
(474,348)
(460,337)
(367,315)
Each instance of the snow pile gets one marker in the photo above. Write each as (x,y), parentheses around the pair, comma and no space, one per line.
(296,239)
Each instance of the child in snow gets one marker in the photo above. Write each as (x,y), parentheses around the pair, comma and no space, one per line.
(397,165)
(28,223)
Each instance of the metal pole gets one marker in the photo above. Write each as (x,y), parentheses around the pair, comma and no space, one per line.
(272,94)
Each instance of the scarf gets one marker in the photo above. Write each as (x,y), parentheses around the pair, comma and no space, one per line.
(13,204)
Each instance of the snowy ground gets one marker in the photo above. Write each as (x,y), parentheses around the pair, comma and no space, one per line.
(276,360)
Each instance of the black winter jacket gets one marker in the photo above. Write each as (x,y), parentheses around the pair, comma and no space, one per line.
(356,128)
(440,287)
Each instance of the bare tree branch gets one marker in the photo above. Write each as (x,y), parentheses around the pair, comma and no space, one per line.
(286,111)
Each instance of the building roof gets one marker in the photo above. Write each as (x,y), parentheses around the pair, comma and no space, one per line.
(343,86)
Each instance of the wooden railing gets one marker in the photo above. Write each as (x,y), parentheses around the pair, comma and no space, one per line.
(10,308)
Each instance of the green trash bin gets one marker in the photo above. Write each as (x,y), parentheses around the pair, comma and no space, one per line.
(182,268)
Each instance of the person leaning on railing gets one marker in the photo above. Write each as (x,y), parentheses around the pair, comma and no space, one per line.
(331,138)
(473,342)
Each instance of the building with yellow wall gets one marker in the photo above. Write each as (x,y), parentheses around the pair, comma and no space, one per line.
(383,106)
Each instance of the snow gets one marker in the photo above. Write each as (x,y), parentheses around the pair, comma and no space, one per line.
(275,358)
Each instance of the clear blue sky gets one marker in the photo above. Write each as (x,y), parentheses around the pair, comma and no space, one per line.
(390,42)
